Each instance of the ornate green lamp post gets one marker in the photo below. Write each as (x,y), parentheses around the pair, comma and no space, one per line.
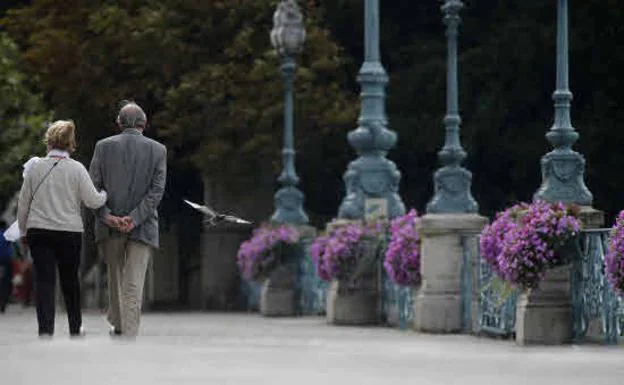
(562,181)
(287,37)
(563,169)
(452,181)
(371,175)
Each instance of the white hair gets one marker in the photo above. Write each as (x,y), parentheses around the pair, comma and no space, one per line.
(131,116)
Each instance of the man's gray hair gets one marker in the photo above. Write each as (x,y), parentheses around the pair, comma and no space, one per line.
(131,116)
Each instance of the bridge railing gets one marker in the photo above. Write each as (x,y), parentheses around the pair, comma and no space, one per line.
(598,313)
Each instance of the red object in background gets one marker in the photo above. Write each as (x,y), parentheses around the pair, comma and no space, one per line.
(22,281)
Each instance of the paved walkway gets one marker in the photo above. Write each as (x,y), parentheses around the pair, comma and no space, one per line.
(240,349)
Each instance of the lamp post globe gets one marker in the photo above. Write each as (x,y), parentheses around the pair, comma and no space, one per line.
(288,33)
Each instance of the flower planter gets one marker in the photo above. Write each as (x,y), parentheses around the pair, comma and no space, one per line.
(544,314)
(278,295)
(356,301)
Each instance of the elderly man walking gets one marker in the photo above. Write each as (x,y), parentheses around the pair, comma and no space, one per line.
(132,169)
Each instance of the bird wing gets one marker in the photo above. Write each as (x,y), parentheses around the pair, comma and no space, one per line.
(201,208)
(232,218)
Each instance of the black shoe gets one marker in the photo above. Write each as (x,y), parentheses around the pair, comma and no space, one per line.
(45,335)
(114,331)
(80,333)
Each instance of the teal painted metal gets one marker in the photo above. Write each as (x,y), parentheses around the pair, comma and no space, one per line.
(372,175)
(469,246)
(593,299)
(288,36)
(251,294)
(563,169)
(311,290)
(397,301)
(495,315)
(452,181)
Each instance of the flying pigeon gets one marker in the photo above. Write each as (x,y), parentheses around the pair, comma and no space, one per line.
(214,217)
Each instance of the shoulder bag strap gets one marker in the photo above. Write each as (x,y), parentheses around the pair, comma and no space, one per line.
(32,197)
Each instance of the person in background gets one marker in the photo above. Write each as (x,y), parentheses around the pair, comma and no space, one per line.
(6,268)
(49,216)
(133,169)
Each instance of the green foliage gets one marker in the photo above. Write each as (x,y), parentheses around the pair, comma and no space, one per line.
(204,70)
(22,117)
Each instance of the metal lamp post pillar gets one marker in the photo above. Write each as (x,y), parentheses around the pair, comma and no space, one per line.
(371,175)
(563,169)
(452,181)
(287,37)
(546,315)
(450,214)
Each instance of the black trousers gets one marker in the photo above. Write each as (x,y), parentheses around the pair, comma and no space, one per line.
(56,249)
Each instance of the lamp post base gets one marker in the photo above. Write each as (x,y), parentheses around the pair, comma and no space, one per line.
(371,177)
(562,178)
(289,207)
(452,191)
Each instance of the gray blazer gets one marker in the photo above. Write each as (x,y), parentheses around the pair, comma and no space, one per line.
(133,170)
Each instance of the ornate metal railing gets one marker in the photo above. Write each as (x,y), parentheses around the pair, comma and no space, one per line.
(311,289)
(494,314)
(598,312)
(397,303)
(251,294)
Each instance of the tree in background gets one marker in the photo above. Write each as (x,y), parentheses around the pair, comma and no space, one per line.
(205,71)
(22,120)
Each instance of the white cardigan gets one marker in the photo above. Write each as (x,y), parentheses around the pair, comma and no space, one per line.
(56,204)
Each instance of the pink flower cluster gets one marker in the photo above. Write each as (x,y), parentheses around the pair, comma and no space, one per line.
(523,242)
(259,255)
(402,260)
(336,254)
(614,260)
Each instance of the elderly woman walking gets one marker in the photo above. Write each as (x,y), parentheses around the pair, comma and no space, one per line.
(49,216)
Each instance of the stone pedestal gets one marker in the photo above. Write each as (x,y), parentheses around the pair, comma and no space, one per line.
(279,294)
(438,305)
(544,315)
(355,303)
(277,298)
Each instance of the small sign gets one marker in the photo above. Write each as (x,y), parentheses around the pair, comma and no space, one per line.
(375,209)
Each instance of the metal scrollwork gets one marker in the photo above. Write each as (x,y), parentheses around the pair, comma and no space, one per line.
(397,302)
(311,289)
(494,315)
(593,299)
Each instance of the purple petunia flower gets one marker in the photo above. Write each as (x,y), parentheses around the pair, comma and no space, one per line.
(257,256)
(523,241)
(614,260)
(336,254)
(402,259)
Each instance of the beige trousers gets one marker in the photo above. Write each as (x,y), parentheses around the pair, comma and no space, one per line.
(127,262)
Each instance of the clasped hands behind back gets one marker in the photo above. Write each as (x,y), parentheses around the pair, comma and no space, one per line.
(122,224)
